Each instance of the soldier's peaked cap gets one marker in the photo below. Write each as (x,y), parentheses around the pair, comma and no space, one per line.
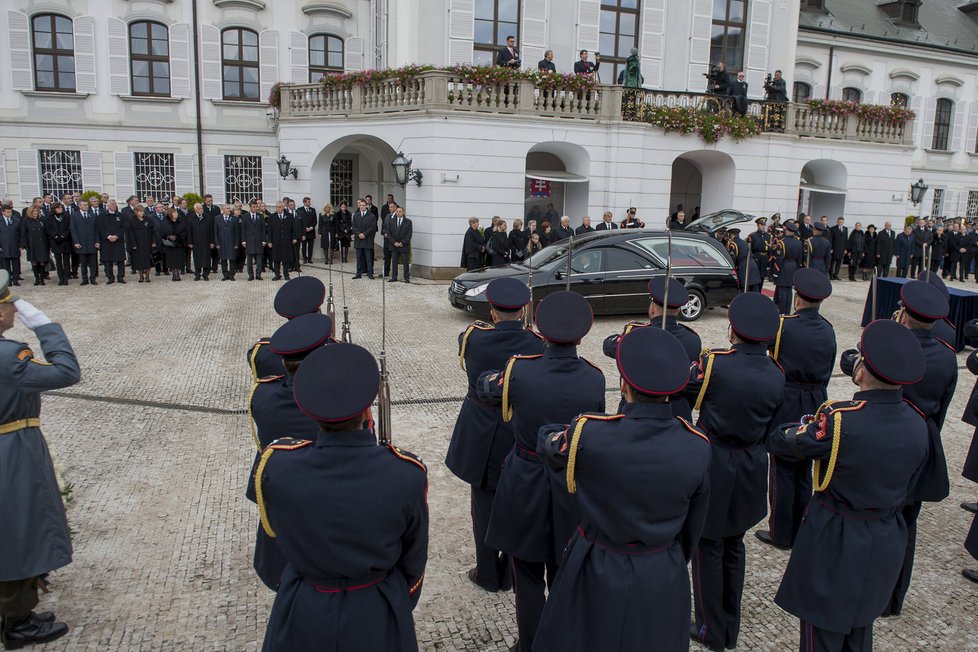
(300,296)
(935,280)
(653,361)
(678,296)
(508,294)
(5,294)
(298,337)
(812,284)
(754,317)
(923,301)
(564,317)
(892,353)
(336,383)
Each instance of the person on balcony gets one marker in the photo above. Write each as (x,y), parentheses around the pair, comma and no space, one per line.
(738,91)
(776,89)
(585,67)
(509,56)
(631,75)
(546,64)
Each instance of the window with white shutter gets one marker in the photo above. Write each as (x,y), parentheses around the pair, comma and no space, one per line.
(759,38)
(354,54)
(619,33)
(155,174)
(27,174)
(19,42)
(461,31)
(214,178)
(85,54)
(699,44)
(268,40)
(494,21)
(270,180)
(124,178)
(325,56)
(240,64)
(534,31)
(299,57)
(91,163)
(118,39)
(210,63)
(588,25)
(653,41)
(180,79)
(183,173)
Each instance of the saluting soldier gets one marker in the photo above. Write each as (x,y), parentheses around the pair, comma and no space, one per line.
(623,583)
(737,392)
(759,243)
(533,516)
(851,545)
(273,412)
(481,438)
(820,249)
(922,305)
(805,348)
(299,296)
(788,258)
(747,269)
(351,517)
(35,538)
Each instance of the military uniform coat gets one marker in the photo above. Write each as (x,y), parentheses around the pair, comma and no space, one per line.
(747,269)
(227,236)
(642,486)
(280,231)
(84,232)
(111,224)
(351,517)
(35,537)
(533,516)
(36,240)
(263,361)
(737,392)
(788,257)
(481,439)
(201,237)
(820,254)
(807,370)
(970,417)
(850,548)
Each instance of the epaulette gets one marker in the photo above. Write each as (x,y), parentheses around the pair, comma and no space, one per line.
(269,379)
(407,457)
(593,365)
(482,325)
(690,427)
(253,353)
(283,444)
(721,351)
(578,427)
(632,325)
(831,407)
(915,408)
(289,443)
(529,329)
(707,371)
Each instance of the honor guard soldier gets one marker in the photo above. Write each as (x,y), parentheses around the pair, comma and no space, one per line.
(737,392)
(533,516)
(35,538)
(970,470)
(623,582)
(943,329)
(788,255)
(351,517)
(692,345)
(481,438)
(922,305)
(851,545)
(820,249)
(805,348)
(739,253)
(273,412)
(759,243)
(300,296)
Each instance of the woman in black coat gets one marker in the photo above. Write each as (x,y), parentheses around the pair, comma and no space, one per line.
(857,245)
(327,233)
(498,245)
(938,248)
(343,223)
(111,229)
(35,239)
(59,240)
(517,242)
(142,243)
(174,231)
(869,252)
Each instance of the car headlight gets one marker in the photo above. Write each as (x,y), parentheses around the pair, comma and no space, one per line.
(477,290)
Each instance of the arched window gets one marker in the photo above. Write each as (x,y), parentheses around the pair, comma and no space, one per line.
(850,94)
(942,123)
(149,51)
(494,21)
(239,62)
(900,100)
(800,91)
(729,34)
(325,56)
(54,53)
(619,34)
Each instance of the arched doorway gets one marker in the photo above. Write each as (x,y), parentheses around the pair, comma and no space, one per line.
(557,174)
(703,179)
(354,166)
(822,189)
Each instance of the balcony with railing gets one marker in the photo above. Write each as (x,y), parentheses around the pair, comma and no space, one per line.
(445,92)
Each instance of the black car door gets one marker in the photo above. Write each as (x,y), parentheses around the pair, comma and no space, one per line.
(626,281)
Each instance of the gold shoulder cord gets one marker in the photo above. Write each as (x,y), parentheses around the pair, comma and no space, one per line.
(833,456)
(262,514)
(777,340)
(507,408)
(251,360)
(465,342)
(706,382)
(251,418)
(572,455)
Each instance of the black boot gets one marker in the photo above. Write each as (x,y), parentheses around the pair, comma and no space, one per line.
(30,630)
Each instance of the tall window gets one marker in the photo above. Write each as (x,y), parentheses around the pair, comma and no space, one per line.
(149,49)
(729,33)
(54,53)
(154,175)
(850,94)
(242,178)
(936,210)
(341,182)
(800,91)
(899,100)
(61,171)
(494,21)
(239,58)
(325,56)
(972,208)
(619,33)
(942,123)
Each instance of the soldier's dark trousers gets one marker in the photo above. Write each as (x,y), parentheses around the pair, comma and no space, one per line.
(782,299)
(255,260)
(718,585)
(491,566)
(120,269)
(530,581)
(762,266)
(790,490)
(835,269)
(813,639)
(910,514)
(17,599)
(88,265)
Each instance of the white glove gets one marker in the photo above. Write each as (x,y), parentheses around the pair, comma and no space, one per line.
(30,316)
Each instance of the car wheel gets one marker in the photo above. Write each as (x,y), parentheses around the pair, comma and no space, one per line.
(694,308)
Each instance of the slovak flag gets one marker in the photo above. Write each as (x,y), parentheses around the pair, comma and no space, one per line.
(539,188)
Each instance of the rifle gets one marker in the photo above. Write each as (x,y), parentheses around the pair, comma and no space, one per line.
(384,393)
(528,313)
(928,249)
(346,310)
(570,254)
(872,294)
(747,261)
(330,302)
(665,293)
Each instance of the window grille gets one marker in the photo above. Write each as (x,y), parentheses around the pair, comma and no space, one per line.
(61,171)
(242,178)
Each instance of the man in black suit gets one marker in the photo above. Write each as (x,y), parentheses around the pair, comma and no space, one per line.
(885,246)
(371,207)
(839,236)
(922,237)
(473,247)
(585,67)
(400,229)
(364,230)
(738,91)
(546,64)
(10,243)
(509,56)
(585,226)
(563,230)
(281,236)
(84,238)
(386,213)
(308,221)
(608,223)
(388,207)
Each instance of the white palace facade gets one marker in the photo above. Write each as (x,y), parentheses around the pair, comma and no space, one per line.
(163,97)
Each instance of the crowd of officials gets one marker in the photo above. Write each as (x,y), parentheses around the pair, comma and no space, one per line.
(73,238)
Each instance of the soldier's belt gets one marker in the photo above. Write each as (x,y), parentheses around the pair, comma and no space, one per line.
(526,453)
(845,511)
(343,584)
(20,424)
(593,535)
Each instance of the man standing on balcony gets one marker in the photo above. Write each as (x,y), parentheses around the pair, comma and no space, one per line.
(546,64)
(776,89)
(585,67)
(738,91)
(509,56)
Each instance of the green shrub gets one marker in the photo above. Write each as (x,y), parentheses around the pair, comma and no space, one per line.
(88,194)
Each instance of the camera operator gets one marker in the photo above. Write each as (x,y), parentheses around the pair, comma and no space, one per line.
(585,67)
(776,90)
(718,80)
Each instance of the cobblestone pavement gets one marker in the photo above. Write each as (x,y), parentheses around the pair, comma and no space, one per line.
(156,444)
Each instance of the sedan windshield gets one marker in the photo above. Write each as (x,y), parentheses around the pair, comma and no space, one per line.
(714,221)
(546,256)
